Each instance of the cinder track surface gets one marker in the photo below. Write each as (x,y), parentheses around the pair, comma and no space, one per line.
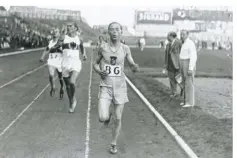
(46,129)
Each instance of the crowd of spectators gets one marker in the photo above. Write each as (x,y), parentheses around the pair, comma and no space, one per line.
(25,33)
(10,39)
(18,33)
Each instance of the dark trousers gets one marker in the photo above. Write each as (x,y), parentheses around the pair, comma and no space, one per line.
(173,82)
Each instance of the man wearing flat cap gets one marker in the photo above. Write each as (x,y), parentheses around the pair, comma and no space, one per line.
(172,65)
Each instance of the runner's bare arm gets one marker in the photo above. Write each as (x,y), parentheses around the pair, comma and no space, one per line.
(82,48)
(46,51)
(130,60)
(59,43)
(96,63)
(83,51)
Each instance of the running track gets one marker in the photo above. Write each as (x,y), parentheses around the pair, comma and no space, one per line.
(45,129)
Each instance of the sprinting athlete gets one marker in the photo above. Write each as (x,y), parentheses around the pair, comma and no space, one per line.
(113,89)
(71,45)
(54,63)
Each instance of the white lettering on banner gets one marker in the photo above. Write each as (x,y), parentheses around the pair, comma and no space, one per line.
(156,16)
(113,70)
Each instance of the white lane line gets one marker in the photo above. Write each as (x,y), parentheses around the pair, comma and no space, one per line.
(173,133)
(20,52)
(88,113)
(18,78)
(9,126)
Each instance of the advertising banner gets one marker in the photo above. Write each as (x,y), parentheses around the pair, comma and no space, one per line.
(153,17)
(205,15)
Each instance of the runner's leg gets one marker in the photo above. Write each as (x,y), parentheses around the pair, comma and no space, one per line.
(118,122)
(70,83)
(103,109)
(60,77)
(117,127)
(68,89)
(73,78)
(51,79)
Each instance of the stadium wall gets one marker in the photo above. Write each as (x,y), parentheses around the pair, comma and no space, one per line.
(202,22)
(154,30)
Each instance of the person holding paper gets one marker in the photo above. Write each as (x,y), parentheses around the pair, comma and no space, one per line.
(172,66)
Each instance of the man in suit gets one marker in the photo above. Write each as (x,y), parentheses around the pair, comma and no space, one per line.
(172,65)
(188,59)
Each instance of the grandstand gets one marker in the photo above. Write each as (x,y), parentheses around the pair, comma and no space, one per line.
(34,24)
(16,32)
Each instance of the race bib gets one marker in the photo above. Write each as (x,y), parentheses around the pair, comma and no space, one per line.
(113,70)
(54,55)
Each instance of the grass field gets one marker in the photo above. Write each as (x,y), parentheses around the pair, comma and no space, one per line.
(209,63)
(207,127)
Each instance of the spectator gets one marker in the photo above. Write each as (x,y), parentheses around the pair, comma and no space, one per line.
(172,66)
(162,44)
(213,45)
(188,58)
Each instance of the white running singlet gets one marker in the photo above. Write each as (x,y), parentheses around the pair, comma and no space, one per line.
(55,58)
(71,57)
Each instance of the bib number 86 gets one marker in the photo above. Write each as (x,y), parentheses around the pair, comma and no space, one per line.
(113,70)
